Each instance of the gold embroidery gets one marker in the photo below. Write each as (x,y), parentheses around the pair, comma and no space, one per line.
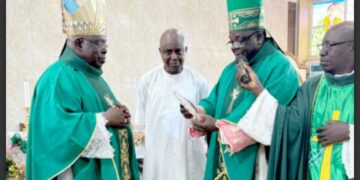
(221,173)
(241,19)
(124,151)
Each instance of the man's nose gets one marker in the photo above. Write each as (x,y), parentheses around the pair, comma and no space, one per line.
(173,55)
(322,52)
(238,48)
(104,50)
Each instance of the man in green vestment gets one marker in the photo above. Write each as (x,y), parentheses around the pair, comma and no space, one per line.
(77,128)
(313,137)
(228,102)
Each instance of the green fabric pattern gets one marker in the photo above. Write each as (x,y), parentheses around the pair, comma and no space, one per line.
(277,75)
(245,15)
(62,122)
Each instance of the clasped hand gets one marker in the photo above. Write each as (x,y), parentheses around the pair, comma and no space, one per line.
(117,116)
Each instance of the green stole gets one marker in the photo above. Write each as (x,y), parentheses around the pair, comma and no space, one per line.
(62,121)
(278,76)
(293,155)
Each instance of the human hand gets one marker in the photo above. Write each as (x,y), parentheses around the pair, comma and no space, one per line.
(205,123)
(254,85)
(118,116)
(333,132)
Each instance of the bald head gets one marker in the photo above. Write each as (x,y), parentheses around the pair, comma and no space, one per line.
(343,31)
(170,36)
(172,50)
(337,53)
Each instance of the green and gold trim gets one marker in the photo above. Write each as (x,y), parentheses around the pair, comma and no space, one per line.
(124,151)
(246,19)
(221,171)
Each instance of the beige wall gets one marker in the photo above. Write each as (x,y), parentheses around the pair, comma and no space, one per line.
(34,41)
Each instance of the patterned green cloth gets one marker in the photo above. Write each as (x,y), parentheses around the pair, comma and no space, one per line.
(245,15)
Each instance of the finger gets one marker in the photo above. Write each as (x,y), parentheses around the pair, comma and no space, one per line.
(126,122)
(322,139)
(251,73)
(321,135)
(326,142)
(247,68)
(321,129)
(199,122)
(240,72)
(198,128)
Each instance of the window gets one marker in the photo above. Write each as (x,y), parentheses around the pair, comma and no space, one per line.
(324,15)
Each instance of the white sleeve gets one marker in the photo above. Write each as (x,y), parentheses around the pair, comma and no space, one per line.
(140,105)
(99,146)
(348,154)
(204,89)
(66,175)
(258,122)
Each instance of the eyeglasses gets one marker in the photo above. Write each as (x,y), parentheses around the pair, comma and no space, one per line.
(327,46)
(237,43)
(99,42)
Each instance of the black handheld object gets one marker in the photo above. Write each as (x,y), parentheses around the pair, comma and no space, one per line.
(240,61)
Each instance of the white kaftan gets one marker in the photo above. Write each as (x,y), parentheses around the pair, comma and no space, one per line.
(169,152)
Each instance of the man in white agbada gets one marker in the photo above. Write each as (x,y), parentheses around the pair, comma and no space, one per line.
(169,152)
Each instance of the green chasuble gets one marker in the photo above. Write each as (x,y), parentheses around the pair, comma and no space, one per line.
(62,122)
(278,76)
(295,152)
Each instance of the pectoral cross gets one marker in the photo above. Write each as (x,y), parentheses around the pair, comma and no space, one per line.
(234,95)
(110,102)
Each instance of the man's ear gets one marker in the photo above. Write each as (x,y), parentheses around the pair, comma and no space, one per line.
(79,43)
(260,37)
(185,49)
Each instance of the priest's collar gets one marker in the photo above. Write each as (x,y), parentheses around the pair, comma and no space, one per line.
(266,49)
(340,80)
(78,63)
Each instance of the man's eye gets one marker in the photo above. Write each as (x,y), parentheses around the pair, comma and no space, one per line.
(100,42)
